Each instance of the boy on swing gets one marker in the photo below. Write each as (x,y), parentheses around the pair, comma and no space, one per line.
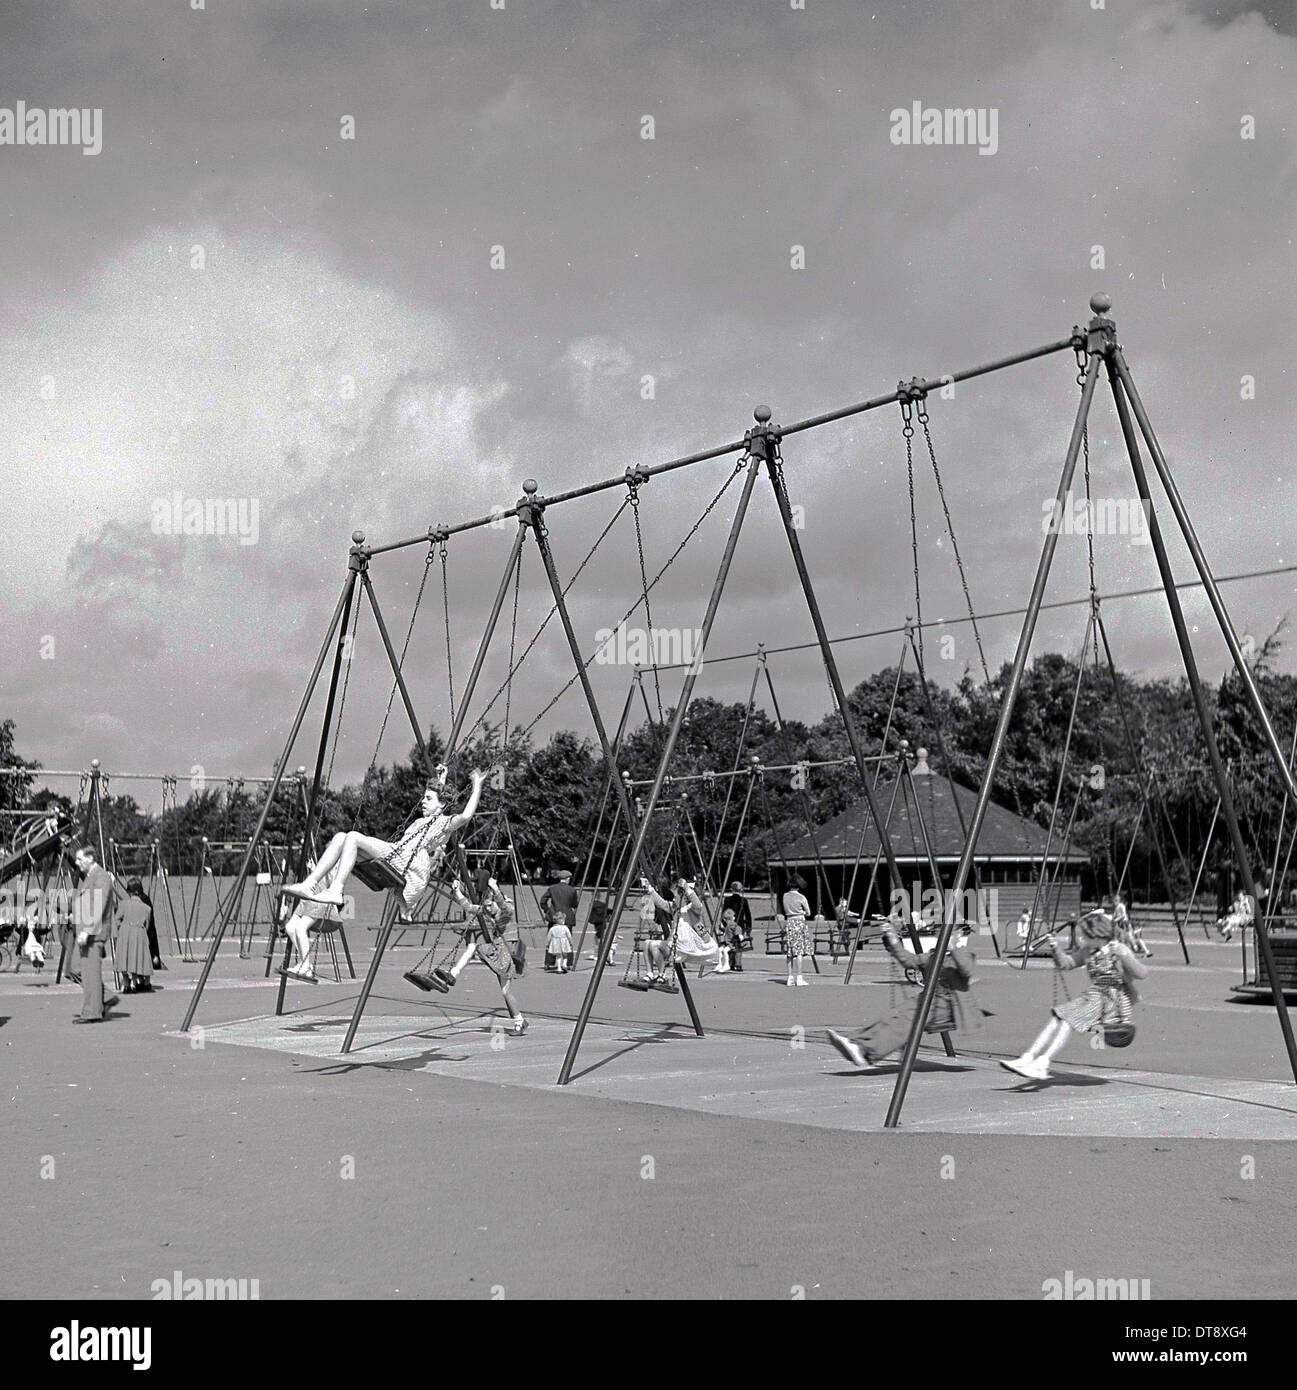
(415,856)
(485,928)
(886,1035)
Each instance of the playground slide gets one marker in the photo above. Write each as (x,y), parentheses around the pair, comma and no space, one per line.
(43,845)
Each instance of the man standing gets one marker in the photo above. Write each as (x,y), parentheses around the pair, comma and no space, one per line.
(92,921)
(558,903)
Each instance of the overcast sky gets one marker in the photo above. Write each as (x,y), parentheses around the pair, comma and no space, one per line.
(347,355)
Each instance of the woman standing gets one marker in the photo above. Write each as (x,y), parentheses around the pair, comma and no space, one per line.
(797,935)
(134,957)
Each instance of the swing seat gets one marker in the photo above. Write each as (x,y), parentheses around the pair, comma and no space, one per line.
(640,986)
(665,986)
(1118,1034)
(379,876)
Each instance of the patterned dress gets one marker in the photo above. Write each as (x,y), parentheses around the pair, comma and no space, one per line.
(418,853)
(1110,998)
(797,937)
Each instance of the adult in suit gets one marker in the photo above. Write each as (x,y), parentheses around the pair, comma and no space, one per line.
(92,918)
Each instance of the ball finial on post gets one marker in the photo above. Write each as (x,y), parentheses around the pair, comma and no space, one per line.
(530,486)
(1100,303)
(358,537)
(761,414)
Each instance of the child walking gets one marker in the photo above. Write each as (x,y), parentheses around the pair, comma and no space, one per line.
(1110,1000)
(558,946)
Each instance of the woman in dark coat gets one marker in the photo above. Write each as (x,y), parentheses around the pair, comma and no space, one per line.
(134,956)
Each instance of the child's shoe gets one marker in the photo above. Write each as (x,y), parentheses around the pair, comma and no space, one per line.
(519,1027)
(850,1050)
(1033,1068)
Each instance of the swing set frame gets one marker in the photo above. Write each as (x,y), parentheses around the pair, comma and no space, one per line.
(760,450)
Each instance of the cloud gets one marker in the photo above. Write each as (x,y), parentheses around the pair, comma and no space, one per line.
(349,358)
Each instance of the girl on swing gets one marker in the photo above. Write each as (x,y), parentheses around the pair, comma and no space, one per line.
(1109,1002)
(415,855)
(694,943)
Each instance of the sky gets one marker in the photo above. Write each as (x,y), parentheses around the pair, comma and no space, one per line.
(370,266)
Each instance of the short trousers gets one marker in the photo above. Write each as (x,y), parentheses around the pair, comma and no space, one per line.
(496,957)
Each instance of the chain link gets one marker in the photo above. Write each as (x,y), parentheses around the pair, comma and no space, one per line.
(633,491)
(689,535)
(907,429)
(954,543)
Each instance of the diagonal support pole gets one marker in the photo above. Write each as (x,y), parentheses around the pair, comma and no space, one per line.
(1118,369)
(342,607)
(750,462)
(1096,342)
(1117,379)
(774,467)
(532,513)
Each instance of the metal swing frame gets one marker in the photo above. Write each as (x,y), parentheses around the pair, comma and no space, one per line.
(760,450)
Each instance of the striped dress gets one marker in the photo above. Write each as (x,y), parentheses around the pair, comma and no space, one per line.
(1109,999)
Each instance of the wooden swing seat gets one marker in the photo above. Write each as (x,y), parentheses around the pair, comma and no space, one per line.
(379,876)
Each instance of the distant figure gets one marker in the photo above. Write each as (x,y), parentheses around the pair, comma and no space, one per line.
(558,903)
(731,939)
(742,909)
(558,947)
(134,958)
(91,922)
(1024,925)
(1240,914)
(599,914)
(797,938)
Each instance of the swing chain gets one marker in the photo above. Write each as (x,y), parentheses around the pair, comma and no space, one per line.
(922,416)
(633,481)
(907,429)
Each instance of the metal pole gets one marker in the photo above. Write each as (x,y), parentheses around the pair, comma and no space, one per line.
(933,867)
(1137,758)
(606,789)
(344,600)
(356,571)
(396,669)
(1118,369)
(869,891)
(729,781)
(1096,340)
(753,462)
(774,467)
(874,403)
(532,513)
(1117,377)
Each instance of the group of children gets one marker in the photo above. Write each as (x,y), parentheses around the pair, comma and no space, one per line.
(1104,948)
(674,932)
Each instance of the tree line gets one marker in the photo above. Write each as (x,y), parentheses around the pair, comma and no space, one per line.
(1135,736)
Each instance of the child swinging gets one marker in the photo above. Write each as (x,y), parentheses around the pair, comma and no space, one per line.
(949,1013)
(415,856)
(1107,1007)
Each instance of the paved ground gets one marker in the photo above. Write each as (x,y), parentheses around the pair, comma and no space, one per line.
(434,1163)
